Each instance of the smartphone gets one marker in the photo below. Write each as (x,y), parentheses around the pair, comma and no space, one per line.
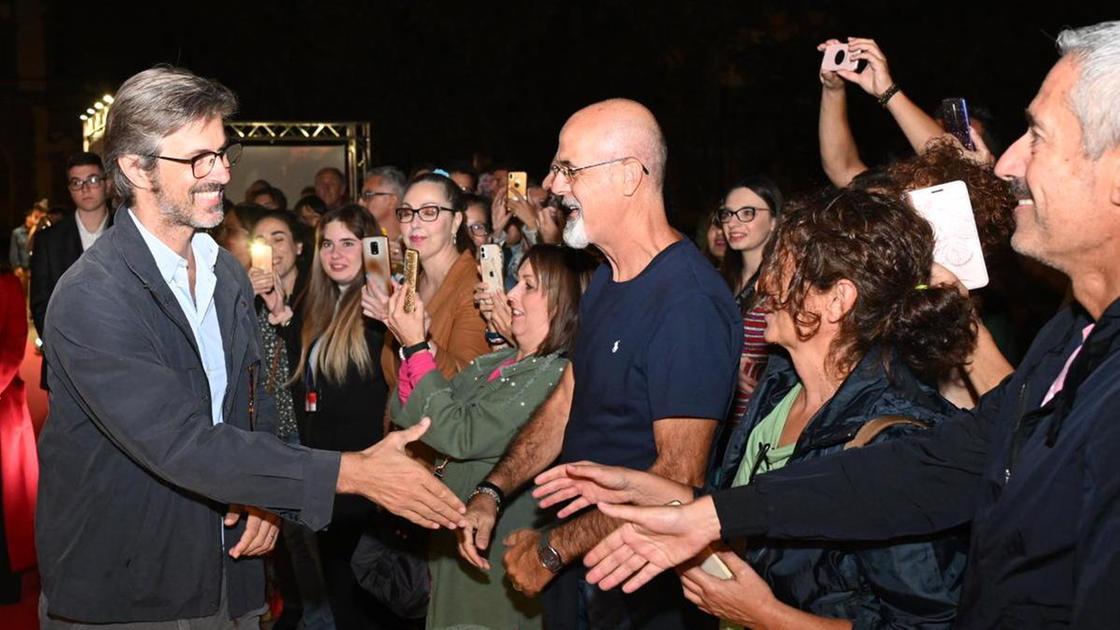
(260,253)
(956,241)
(411,274)
(375,256)
(518,181)
(954,118)
(490,259)
(715,567)
(837,57)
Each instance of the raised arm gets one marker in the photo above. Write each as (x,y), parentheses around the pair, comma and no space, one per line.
(839,153)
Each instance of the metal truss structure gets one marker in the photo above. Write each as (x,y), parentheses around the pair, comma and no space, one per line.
(354,135)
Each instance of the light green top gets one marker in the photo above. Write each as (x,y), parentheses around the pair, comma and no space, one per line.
(766,436)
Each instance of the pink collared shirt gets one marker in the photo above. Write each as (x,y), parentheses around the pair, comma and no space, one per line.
(1061,380)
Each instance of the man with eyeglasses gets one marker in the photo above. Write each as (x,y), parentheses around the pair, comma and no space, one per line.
(652,373)
(58,246)
(161,475)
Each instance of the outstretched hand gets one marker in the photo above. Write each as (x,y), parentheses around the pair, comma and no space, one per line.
(588,483)
(653,539)
(385,474)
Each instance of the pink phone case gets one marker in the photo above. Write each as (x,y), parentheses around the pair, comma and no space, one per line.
(837,57)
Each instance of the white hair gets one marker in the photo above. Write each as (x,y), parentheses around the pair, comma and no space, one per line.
(1096,50)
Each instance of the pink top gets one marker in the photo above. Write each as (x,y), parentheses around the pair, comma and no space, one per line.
(1061,380)
(415,368)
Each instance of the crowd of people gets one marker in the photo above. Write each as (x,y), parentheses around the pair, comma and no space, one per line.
(805,414)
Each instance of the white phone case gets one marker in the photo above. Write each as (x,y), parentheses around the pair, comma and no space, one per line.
(956,241)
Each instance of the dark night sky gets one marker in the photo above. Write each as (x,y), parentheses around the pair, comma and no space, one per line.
(733,83)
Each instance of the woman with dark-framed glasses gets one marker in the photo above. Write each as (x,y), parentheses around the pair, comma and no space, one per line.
(434,223)
(747,216)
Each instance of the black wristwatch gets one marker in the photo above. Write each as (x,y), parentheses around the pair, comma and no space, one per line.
(547,554)
(407,352)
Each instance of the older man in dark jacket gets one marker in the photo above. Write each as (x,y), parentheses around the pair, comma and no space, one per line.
(159,428)
(1036,468)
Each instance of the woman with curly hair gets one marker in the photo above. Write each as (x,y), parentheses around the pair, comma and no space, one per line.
(866,330)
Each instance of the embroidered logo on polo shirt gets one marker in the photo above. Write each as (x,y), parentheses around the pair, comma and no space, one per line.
(614,349)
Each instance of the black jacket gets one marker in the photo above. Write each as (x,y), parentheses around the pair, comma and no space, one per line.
(135,477)
(350,415)
(1040,484)
(56,248)
(900,584)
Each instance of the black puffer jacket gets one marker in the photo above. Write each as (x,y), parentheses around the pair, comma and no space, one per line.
(911,583)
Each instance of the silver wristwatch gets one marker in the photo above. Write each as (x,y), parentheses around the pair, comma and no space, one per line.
(547,554)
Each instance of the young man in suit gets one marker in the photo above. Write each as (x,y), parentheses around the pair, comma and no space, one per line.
(59,245)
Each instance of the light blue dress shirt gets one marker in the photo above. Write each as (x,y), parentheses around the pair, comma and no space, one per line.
(199,309)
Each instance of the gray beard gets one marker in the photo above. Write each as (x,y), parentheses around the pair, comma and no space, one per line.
(575,234)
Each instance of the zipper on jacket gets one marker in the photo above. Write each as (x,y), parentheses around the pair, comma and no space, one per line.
(1017,439)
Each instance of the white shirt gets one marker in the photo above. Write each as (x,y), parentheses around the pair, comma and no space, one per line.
(200,310)
(89,238)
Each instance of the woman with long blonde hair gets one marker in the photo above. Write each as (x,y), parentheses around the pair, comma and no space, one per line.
(345,395)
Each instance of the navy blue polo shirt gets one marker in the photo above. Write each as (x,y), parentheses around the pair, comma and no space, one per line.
(664,344)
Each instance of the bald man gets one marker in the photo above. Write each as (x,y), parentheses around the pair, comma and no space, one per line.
(652,370)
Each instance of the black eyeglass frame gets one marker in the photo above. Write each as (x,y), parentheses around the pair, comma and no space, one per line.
(228,160)
(746,214)
(418,212)
(76,184)
(569,172)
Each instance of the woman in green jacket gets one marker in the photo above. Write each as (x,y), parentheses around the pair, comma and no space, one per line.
(476,415)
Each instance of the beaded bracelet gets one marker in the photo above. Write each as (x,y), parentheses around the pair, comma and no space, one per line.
(888,93)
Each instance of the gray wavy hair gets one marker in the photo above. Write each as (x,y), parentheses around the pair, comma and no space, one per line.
(152,105)
(1096,50)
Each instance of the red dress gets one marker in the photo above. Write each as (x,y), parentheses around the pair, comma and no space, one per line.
(19,461)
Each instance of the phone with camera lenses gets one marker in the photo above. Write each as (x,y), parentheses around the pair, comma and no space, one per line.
(490,260)
(518,182)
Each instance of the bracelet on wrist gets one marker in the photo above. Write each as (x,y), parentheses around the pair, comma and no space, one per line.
(490,490)
(888,93)
(408,351)
(495,339)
